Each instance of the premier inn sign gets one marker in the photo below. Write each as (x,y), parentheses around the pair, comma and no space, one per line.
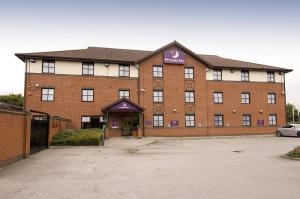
(174,56)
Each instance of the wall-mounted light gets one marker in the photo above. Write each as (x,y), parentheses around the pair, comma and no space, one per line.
(282,92)
(234,111)
(142,89)
(29,86)
(261,111)
(31,60)
(106,65)
(175,110)
(37,85)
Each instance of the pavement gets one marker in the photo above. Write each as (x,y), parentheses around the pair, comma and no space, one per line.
(248,167)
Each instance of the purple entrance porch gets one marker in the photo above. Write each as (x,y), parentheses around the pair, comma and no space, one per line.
(124,118)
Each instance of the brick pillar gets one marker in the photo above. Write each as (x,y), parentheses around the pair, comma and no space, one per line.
(27,133)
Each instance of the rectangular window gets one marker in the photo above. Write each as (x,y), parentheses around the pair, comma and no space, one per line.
(87,68)
(270,77)
(271,98)
(217,74)
(94,121)
(272,119)
(218,120)
(87,95)
(244,75)
(246,120)
(158,96)
(218,97)
(189,120)
(48,66)
(124,94)
(189,73)
(124,70)
(189,96)
(157,71)
(48,94)
(158,120)
(245,98)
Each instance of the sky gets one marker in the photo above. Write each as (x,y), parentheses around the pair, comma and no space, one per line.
(265,31)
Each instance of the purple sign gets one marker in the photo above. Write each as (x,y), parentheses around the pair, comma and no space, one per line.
(148,122)
(115,124)
(260,122)
(174,122)
(174,56)
(123,107)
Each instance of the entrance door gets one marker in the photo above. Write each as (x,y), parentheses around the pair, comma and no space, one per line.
(129,124)
(39,134)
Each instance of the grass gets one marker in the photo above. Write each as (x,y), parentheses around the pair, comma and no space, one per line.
(294,153)
(78,137)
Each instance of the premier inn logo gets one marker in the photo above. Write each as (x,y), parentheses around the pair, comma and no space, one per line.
(174,56)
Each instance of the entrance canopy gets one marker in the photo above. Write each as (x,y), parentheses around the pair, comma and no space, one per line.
(123,105)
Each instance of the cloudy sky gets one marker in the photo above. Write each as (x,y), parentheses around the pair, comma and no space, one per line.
(264,31)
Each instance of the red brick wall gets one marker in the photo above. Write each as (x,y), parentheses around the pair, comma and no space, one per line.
(67,102)
(57,124)
(15,136)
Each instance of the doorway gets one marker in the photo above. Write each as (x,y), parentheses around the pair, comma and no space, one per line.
(129,124)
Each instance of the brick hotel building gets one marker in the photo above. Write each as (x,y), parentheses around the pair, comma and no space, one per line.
(171,91)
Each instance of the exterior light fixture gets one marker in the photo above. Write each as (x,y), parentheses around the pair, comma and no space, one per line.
(106,65)
(37,85)
(261,111)
(143,90)
(234,111)
(175,110)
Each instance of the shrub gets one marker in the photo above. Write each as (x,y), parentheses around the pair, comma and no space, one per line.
(73,137)
(294,153)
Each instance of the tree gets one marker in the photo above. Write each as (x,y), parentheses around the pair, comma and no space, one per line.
(16,99)
(289,113)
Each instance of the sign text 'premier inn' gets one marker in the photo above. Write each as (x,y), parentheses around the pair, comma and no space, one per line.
(174,56)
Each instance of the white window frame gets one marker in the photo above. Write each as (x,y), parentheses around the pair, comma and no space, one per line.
(157,71)
(158,120)
(189,72)
(218,97)
(190,120)
(158,96)
(87,95)
(48,94)
(124,94)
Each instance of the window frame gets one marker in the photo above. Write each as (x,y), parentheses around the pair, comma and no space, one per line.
(216,74)
(48,61)
(189,121)
(274,99)
(271,79)
(157,72)
(158,96)
(82,95)
(48,88)
(222,120)
(272,115)
(160,122)
(88,69)
(249,99)
(187,72)
(189,96)
(214,98)
(243,120)
(124,70)
(124,90)
(243,76)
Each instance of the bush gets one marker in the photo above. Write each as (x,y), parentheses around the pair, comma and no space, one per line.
(73,137)
(294,153)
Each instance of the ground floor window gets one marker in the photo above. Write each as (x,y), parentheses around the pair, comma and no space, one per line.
(158,120)
(218,120)
(190,120)
(246,119)
(272,119)
(94,121)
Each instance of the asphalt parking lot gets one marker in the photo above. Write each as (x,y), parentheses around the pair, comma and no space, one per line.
(206,168)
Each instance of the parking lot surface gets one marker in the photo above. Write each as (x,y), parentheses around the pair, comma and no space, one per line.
(201,168)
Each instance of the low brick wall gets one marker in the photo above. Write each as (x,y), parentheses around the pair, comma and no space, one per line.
(56,125)
(14,136)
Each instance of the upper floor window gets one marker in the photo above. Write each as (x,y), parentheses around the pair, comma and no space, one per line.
(87,95)
(272,119)
(244,75)
(245,98)
(190,120)
(48,66)
(270,77)
(246,120)
(218,120)
(189,96)
(189,72)
(218,97)
(124,70)
(124,94)
(87,68)
(217,74)
(48,94)
(158,120)
(157,71)
(158,96)
(271,98)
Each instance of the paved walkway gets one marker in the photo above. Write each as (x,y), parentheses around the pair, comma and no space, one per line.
(206,168)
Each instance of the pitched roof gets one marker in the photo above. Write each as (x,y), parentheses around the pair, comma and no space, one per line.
(114,55)
(119,101)
(10,107)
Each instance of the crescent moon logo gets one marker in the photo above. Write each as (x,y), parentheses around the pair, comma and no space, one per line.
(176,54)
